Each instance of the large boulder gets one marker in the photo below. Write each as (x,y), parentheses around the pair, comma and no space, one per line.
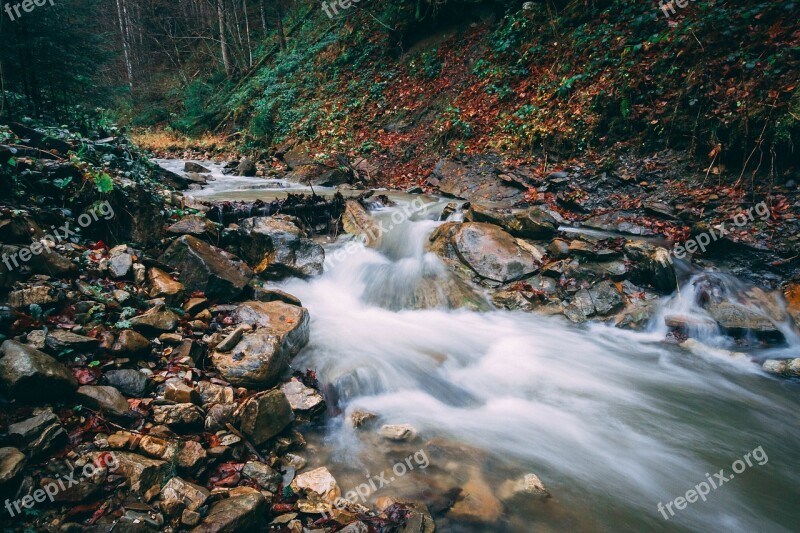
(277,247)
(652,265)
(489,251)
(475,180)
(260,357)
(243,512)
(104,398)
(533,223)
(194,225)
(206,268)
(29,374)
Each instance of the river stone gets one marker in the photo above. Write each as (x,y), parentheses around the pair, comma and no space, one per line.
(191,166)
(131,342)
(493,253)
(246,167)
(652,265)
(29,374)
(477,502)
(737,319)
(475,179)
(178,391)
(357,221)
(179,494)
(397,432)
(264,415)
(106,399)
(533,223)
(12,461)
(154,321)
(606,297)
(142,473)
(61,339)
(163,286)
(260,357)
(207,269)
(262,474)
(318,482)
(245,512)
(581,307)
(182,415)
(212,393)
(303,399)
(128,381)
(194,225)
(39,434)
(278,247)
(40,295)
(518,491)
(120,261)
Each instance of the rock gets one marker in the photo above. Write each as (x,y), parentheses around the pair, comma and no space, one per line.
(207,269)
(182,415)
(154,321)
(191,166)
(488,250)
(142,473)
(139,273)
(219,415)
(195,304)
(190,518)
(119,261)
(477,502)
(131,342)
(39,434)
(581,307)
(303,399)
(262,474)
(558,249)
(475,180)
(703,350)
(246,167)
(28,374)
(784,367)
(398,432)
(532,223)
(178,495)
(278,247)
(318,482)
(211,393)
(357,221)
(260,357)
(264,415)
(246,512)
(606,298)
(163,286)
(106,399)
(12,461)
(178,391)
(517,491)
(652,266)
(737,320)
(228,343)
(128,381)
(195,225)
(190,456)
(61,339)
(41,295)
(688,323)
(791,293)
(362,418)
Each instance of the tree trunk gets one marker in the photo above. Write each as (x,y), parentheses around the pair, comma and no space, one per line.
(247,30)
(281,33)
(125,50)
(223,40)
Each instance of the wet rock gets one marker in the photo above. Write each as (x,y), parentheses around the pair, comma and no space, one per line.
(652,266)
(791,293)
(190,518)
(128,381)
(581,307)
(533,223)
(783,367)
(12,461)
(120,261)
(194,225)
(28,374)
(558,249)
(357,221)
(190,456)
(106,399)
(264,415)
(318,482)
(267,294)
(182,415)
(232,339)
(737,320)
(398,432)
(163,286)
(39,434)
(178,391)
(179,494)
(606,298)
(474,179)
(143,474)
(219,415)
(194,305)
(61,339)
(262,474)
(212,393)
(246,167)
(362,418)
(191,166)
(131,342)
(245,512)
(698,348)
(260,357)
(278,247)
(518,491)
(207,269)
(477,501)
(41,295)
(154,321)
(303,399)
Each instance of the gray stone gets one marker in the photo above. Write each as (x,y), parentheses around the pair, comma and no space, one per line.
(106,399)
(28,374)
(264,415)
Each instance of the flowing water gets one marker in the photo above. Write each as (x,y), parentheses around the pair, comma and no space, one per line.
(613,422)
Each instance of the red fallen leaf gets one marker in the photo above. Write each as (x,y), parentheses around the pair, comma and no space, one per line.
(85,508)
(83,375)
(279,508)
(213,441)
(99,245)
